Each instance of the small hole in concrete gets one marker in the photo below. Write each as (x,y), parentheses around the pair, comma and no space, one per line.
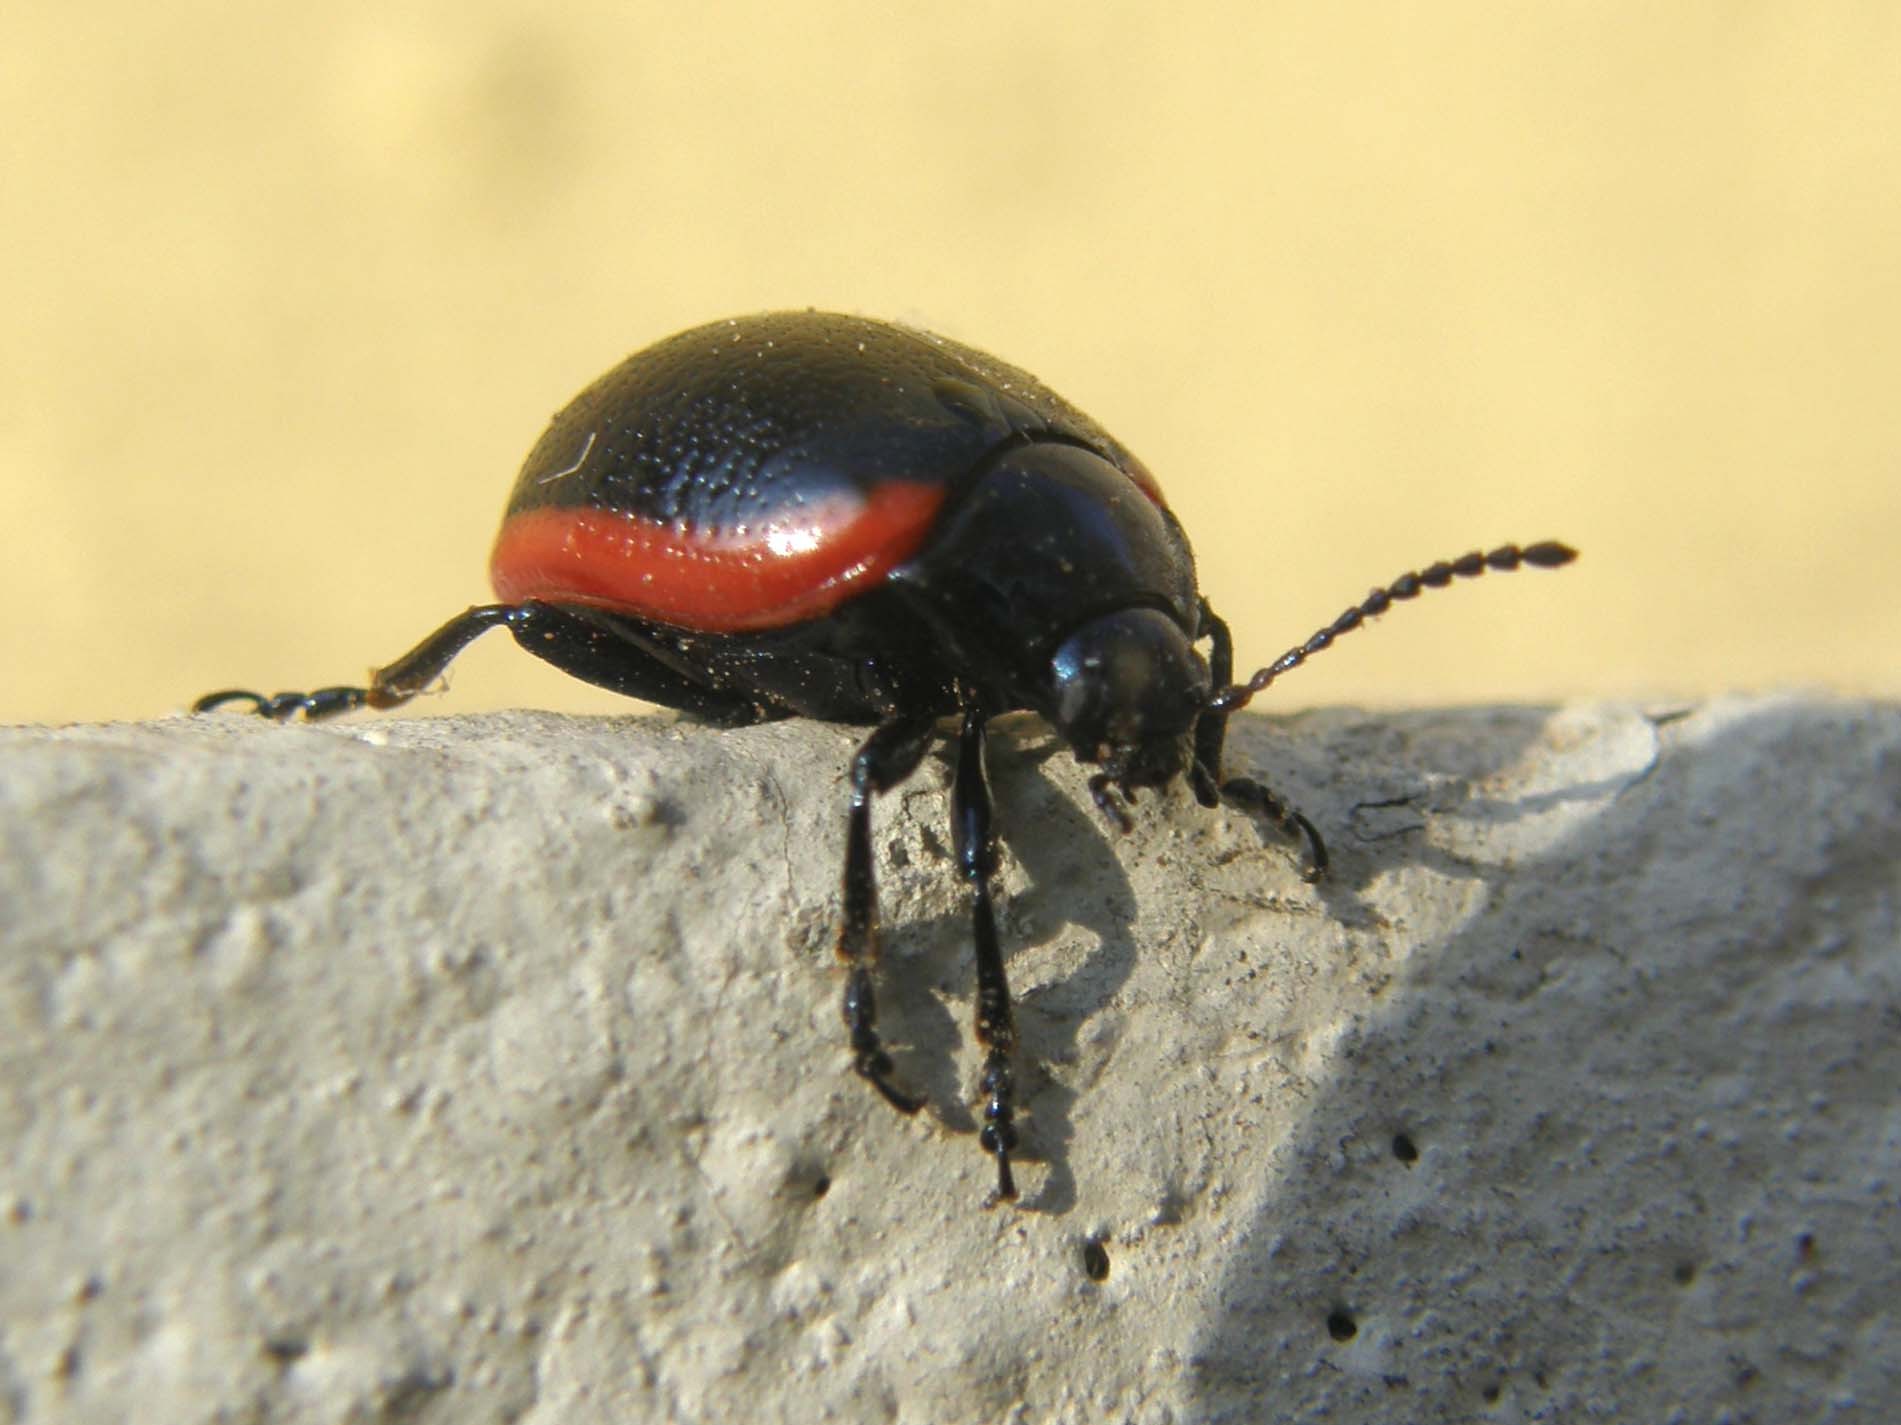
(1405,1149)
(286,1349)
(805,1182)
(1491,1393)
(1341,1325)
(1095,1260)
(1683,1273)
(1805,1246)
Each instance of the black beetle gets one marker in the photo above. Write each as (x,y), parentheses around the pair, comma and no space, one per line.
(807,515)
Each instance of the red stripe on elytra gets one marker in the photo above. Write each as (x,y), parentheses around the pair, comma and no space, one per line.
(1145,482)
(783,572)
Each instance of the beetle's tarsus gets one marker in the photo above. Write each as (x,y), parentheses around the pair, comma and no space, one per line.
(1006,1182)
(1315,866)
(282,707)
(1113,812)
(876,1068)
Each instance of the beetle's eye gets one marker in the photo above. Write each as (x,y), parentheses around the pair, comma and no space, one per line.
(1125,678)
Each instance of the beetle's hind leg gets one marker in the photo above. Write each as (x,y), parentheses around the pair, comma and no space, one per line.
(390,686)
(887,757)
(1243,793)
(595,645)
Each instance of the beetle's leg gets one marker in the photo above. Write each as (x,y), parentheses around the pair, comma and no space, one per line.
(594,645)
(1250,796)
(1243,792)
(1211,729)
(887,757)
(976,846)
(390,686)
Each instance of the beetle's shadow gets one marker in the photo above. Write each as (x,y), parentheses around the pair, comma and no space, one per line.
(1072,861)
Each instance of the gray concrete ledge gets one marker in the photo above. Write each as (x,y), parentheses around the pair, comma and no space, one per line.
(490,1069)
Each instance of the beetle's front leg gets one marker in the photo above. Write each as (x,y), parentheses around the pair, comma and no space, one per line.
(976,846)
(1250,796)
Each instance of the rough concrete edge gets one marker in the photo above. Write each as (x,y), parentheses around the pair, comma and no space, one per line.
(1566,1097)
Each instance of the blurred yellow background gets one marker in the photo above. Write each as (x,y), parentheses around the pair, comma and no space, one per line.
(288,291)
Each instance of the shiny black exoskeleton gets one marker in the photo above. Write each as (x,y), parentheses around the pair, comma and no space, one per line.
(802,514)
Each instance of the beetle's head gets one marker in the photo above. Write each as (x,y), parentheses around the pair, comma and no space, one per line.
(1127,689)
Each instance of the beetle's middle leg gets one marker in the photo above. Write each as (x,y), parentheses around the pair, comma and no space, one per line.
(976,846)
(887,757)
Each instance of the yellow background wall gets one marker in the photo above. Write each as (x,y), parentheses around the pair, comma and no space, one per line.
(289,290)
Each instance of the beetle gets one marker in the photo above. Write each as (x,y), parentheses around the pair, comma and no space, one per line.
(802,514)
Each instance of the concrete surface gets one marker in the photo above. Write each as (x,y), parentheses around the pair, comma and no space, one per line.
(490,1069)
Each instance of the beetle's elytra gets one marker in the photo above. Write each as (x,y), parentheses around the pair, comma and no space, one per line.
(806,515)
